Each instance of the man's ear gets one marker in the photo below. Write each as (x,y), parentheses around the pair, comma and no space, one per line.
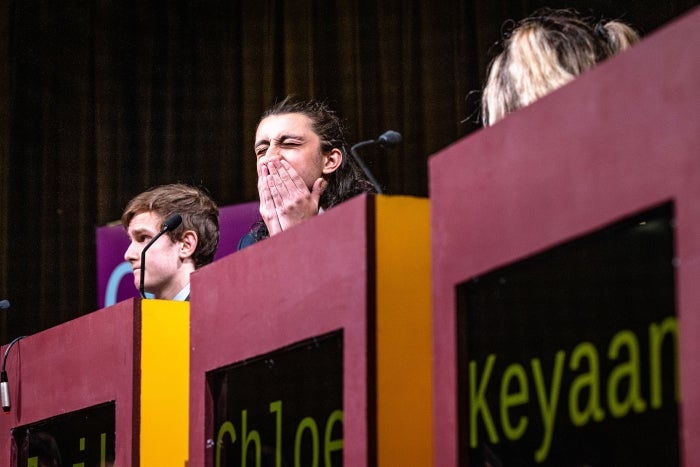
(332,160)
(189,244)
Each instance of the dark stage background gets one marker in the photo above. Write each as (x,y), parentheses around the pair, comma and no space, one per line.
(101,100)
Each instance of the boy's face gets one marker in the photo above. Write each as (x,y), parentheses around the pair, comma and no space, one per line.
(163,261)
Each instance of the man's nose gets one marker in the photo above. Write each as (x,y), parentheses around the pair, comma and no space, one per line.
(273,153)
(130,253)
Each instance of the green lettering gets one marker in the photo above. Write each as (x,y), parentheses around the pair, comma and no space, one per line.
(477,402)
(669,326)
(547,409)
(516,373)
(103,449)
(310,424)
(589,381)
(253,437)
(335,444)
(226,428)
(81,447)
(276,408)
(629,371)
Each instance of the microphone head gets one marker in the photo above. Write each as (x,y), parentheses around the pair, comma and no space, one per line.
(4,304)
(172,222)
(389,138)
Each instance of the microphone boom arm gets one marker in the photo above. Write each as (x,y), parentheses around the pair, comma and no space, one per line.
(171,223)
(362,165)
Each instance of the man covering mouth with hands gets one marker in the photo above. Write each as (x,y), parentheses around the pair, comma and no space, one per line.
(303,166)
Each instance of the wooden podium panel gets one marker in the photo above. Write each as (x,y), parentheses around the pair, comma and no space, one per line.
(357,273)
(130,359)
(621,140)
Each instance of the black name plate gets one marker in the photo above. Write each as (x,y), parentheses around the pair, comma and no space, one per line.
(81,438)
(282,408)
(569,357)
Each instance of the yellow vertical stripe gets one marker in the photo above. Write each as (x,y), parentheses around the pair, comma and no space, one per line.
(404,332)
(165,366)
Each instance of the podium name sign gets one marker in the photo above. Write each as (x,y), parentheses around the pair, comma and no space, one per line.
(282,408)
(569,357)
(84,437)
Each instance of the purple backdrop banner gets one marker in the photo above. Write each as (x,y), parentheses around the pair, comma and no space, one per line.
(114,277)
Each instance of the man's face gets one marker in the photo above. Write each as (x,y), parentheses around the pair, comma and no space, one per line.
(290,137)
(163,273)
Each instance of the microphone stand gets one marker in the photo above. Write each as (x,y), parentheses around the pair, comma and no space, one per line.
(171,223)
(362,165)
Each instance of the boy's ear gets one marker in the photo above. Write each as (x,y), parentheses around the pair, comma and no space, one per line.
(332,160)
(189,244)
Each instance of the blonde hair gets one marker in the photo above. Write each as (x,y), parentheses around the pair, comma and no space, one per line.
(545,51)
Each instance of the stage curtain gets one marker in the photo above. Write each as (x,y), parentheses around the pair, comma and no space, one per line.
(100,100)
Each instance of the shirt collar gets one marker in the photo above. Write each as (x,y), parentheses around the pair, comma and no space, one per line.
(183,294)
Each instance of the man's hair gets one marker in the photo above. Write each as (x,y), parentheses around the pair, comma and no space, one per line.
(346,181)
(545,51)
(198,211)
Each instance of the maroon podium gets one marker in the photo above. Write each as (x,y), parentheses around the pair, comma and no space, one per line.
(72,367)
(107,388)
(566,260)
(313,347)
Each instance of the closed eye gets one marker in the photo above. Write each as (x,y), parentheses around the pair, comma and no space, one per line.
(283,142)
(290,144)
(260,151)
(290,140)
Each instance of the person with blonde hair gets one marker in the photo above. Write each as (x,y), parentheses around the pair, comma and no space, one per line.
(545,51)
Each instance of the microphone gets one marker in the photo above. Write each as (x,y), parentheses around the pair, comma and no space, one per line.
(171,223)
(4,384)
(388,139)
